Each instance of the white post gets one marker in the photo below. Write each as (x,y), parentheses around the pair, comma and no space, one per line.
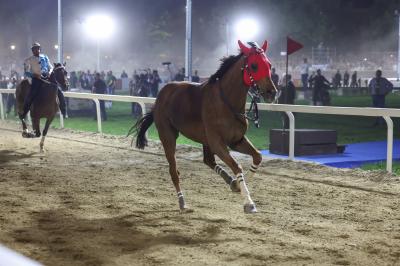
(291,134)
(60,34)
(188,43)
(98,114)
(1,106)
(61,120)
(389,152)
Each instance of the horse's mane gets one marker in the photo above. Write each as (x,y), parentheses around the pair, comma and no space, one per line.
(226,63)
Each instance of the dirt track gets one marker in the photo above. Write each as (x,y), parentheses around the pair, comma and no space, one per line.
(92,200)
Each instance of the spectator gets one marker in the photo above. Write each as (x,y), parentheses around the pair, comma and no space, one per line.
(154,83)
(346,77)
(320,89)
(73,79)
(379,88)
(111,82)
(124,75)
(287,96)
(304,69)
(180,76)
(274,77)
(337,80)
(100,87)
(195,77)
(353,83)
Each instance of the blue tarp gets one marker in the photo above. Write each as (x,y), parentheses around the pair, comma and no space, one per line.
(355,155)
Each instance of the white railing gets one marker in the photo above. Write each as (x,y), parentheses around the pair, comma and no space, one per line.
(386,113)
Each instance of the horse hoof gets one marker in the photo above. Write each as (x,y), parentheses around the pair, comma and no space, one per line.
(186,209)
(182,204)
(28,135)
(234,186)
(250,208)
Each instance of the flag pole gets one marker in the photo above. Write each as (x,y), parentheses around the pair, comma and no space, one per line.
(287,72)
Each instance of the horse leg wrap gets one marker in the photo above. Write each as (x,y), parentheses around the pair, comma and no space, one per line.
(243,188)
(181,200)
(252,171)
(221,171)
(231,181)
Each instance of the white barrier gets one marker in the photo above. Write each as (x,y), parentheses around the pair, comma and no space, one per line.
(386,113)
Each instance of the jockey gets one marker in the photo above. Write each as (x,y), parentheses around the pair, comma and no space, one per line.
(38,67)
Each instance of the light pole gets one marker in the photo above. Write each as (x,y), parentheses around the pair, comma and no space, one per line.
(99,27)
(228,37)
(397,14)
(60,35)
(12,47)
(188,43)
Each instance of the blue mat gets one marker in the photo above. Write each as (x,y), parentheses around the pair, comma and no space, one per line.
(355,155)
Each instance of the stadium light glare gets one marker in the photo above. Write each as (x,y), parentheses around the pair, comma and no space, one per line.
(99,26)
(12,47)
(247,29)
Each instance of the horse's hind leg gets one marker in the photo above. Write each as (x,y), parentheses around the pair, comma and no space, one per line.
(168,137)
(246,147)
(209,160)
(46,128)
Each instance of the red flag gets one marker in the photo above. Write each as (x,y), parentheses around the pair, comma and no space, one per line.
(293,46)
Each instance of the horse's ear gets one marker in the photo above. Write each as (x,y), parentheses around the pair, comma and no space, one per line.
(243,48)
(65,63)
(55,65)
(265,46)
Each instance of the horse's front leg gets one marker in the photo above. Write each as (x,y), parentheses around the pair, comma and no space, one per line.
(209,159)
(25,131)
(219,148)
(246,147)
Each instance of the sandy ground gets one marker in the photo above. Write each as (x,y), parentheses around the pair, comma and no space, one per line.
(93,200)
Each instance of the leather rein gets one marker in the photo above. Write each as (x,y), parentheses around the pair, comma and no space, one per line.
(252,114)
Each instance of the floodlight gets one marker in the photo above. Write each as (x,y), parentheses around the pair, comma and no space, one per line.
(247,29)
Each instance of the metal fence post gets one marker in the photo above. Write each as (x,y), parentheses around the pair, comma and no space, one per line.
(61,120)
(389,152)
(96,101)
(291,134)
(1,106)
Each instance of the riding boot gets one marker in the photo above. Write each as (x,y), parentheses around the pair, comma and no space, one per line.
(62,104)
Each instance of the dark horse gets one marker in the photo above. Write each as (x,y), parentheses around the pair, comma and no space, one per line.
(45,103)
(213,114)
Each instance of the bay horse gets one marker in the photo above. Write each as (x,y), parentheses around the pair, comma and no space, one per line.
(213,114)
(45,104)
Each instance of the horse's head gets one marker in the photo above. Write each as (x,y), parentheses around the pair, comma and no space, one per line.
(257,70)
(59,76)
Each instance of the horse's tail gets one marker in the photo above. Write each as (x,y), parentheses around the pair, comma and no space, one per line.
(139,129)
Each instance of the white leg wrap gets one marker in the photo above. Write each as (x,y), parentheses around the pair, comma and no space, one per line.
(180,194)
(218,169)
(253,170)
(243,188)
